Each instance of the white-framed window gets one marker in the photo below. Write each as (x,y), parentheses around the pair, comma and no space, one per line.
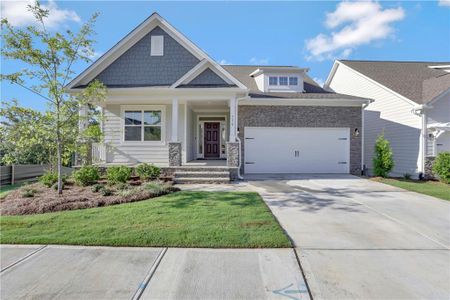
(273,80)
(293,80)
(283,80)
(157,45)
(144,124)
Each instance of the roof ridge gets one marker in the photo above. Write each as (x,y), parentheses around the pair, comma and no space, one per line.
(395,61)
(256,66)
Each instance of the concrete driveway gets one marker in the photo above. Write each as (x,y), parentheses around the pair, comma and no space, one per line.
(72,272)
(358,239)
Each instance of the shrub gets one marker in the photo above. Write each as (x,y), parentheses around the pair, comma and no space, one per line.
(105,191)
(118,174)
(122,186)
(86,175)
(441,167)
(407,176)
(97,187)
(49,178)
(147,171)
(383,163)
(28,192)
(130,192)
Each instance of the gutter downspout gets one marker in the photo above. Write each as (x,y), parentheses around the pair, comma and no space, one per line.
(363,168)
(237,137)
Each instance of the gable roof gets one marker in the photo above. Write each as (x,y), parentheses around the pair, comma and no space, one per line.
(155,20)
(413,80)
(312,89)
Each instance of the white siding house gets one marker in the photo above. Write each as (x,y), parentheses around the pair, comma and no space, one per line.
(407,124)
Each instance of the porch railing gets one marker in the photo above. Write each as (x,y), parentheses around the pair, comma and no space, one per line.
(98,153)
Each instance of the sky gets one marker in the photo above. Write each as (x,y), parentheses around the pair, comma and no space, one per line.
(308,34)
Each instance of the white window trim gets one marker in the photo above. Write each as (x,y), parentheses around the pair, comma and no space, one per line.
(222,123)
(155,39)
(143,108)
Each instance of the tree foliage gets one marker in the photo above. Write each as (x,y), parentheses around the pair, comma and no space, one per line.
(383,161)
(48,58)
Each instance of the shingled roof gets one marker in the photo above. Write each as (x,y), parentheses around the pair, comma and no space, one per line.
(413,80)
(312,89)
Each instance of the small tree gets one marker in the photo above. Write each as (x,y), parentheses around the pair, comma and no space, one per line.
(383,163)
(49,58)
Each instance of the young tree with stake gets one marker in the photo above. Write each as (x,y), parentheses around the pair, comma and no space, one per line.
(49,58)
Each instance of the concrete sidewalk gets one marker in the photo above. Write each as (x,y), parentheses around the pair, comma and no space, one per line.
(75,272)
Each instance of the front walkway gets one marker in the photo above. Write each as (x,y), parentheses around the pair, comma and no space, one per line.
(72,272)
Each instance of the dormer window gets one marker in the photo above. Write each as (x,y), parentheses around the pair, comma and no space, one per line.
(293,80)
(273,80)
(283,80)
(279,79)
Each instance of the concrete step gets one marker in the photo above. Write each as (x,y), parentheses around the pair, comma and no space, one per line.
(199,169)
(194,180)
(202,174)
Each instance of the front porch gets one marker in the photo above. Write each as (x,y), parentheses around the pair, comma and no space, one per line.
(191,133)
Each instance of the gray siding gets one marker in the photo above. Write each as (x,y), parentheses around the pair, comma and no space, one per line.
(137,68)
(305,116)
(207,77)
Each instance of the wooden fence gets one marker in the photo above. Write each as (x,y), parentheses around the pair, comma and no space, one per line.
(20,173)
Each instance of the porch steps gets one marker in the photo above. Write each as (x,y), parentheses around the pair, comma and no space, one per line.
(191,175)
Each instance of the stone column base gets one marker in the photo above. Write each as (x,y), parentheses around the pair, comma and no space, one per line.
(232,154)
(428,172)
(174,154)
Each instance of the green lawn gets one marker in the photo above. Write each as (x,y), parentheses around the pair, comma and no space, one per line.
(182,219)
(5,189)
(431,188)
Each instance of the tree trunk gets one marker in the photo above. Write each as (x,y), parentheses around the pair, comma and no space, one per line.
(58,149)
(59,166)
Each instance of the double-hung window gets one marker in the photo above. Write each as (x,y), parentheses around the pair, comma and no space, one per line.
(143,125)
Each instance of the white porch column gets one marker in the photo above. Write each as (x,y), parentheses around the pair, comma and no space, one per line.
(174,120)
(233,119)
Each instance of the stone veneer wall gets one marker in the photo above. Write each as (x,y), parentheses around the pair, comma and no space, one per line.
(305,116)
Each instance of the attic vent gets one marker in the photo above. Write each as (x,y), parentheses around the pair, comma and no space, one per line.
(157,45)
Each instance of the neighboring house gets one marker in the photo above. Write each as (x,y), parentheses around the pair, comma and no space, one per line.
(411,106)
(170,104)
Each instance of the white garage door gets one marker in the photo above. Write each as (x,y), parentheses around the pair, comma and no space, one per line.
(296,150)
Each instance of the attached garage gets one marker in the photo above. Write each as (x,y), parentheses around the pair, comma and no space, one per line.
(296,150)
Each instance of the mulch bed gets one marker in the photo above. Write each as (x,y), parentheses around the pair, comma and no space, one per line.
(73,197)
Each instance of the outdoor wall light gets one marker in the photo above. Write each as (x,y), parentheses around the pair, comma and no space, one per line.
(356,132)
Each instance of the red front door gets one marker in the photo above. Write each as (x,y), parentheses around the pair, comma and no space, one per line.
(212,139)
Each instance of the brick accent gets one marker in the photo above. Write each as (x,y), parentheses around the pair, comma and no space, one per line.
(305,116)
(174,154)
